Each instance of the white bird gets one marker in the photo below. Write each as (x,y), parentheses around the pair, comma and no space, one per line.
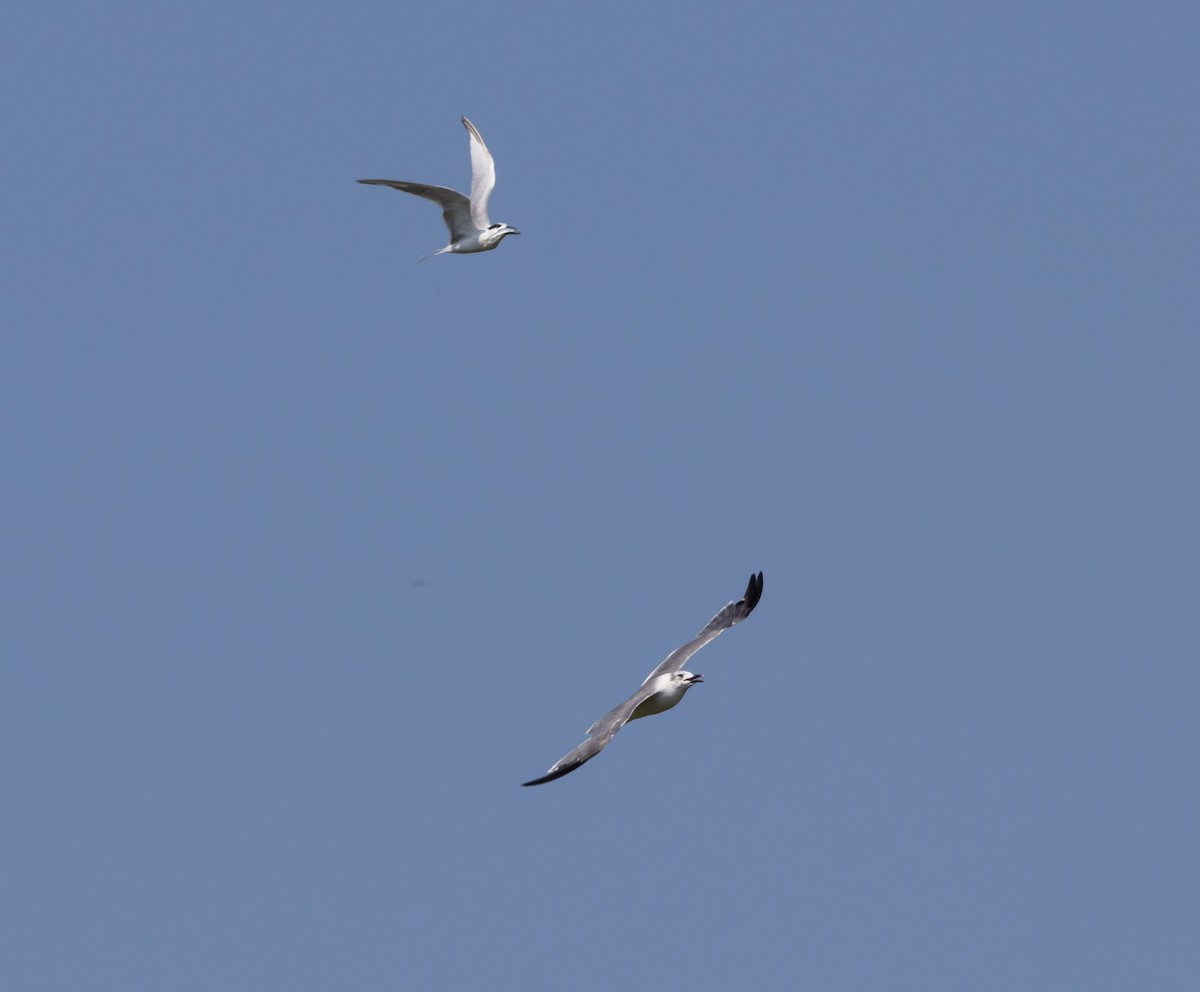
(467,218)
(664,687)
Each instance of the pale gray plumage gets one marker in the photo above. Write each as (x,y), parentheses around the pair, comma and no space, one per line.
(466,217)
(664,687)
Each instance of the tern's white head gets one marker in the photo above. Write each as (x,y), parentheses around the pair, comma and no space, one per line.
(495,234)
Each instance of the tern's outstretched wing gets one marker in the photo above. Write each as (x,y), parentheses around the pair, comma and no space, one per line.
(483,177)
(730,614)
(599,734)
(456,208)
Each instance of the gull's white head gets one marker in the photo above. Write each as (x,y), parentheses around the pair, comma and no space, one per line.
(675,684)
(667,690)
(495,234)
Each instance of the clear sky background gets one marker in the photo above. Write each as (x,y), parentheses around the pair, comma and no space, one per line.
(312,554)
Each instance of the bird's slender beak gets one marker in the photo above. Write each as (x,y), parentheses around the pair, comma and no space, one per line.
(514,231)
(695,678)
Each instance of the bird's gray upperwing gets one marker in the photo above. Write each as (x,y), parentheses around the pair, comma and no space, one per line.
(456,208)
(726,617)
(483,177)
(599,734)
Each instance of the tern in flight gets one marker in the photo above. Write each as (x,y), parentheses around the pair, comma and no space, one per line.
(664,687)
(467,218)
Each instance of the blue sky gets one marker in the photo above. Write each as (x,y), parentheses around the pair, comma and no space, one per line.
(313,553)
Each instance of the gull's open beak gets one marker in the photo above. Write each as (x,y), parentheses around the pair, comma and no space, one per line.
(695,678)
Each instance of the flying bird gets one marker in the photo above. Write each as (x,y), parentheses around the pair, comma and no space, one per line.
(467,218)
(664,687)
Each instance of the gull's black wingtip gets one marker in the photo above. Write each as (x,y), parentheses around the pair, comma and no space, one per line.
(753,592)
(554,773)
(550,776)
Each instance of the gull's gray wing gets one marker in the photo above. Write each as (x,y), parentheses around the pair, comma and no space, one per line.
(456,208)
(599,734)
(730,614)
(483,177)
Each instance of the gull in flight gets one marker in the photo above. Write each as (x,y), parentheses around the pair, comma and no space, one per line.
(467,218)
(664,687)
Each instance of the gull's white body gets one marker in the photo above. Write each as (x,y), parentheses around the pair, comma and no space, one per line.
(465,217)
(664,687)
(669,689)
